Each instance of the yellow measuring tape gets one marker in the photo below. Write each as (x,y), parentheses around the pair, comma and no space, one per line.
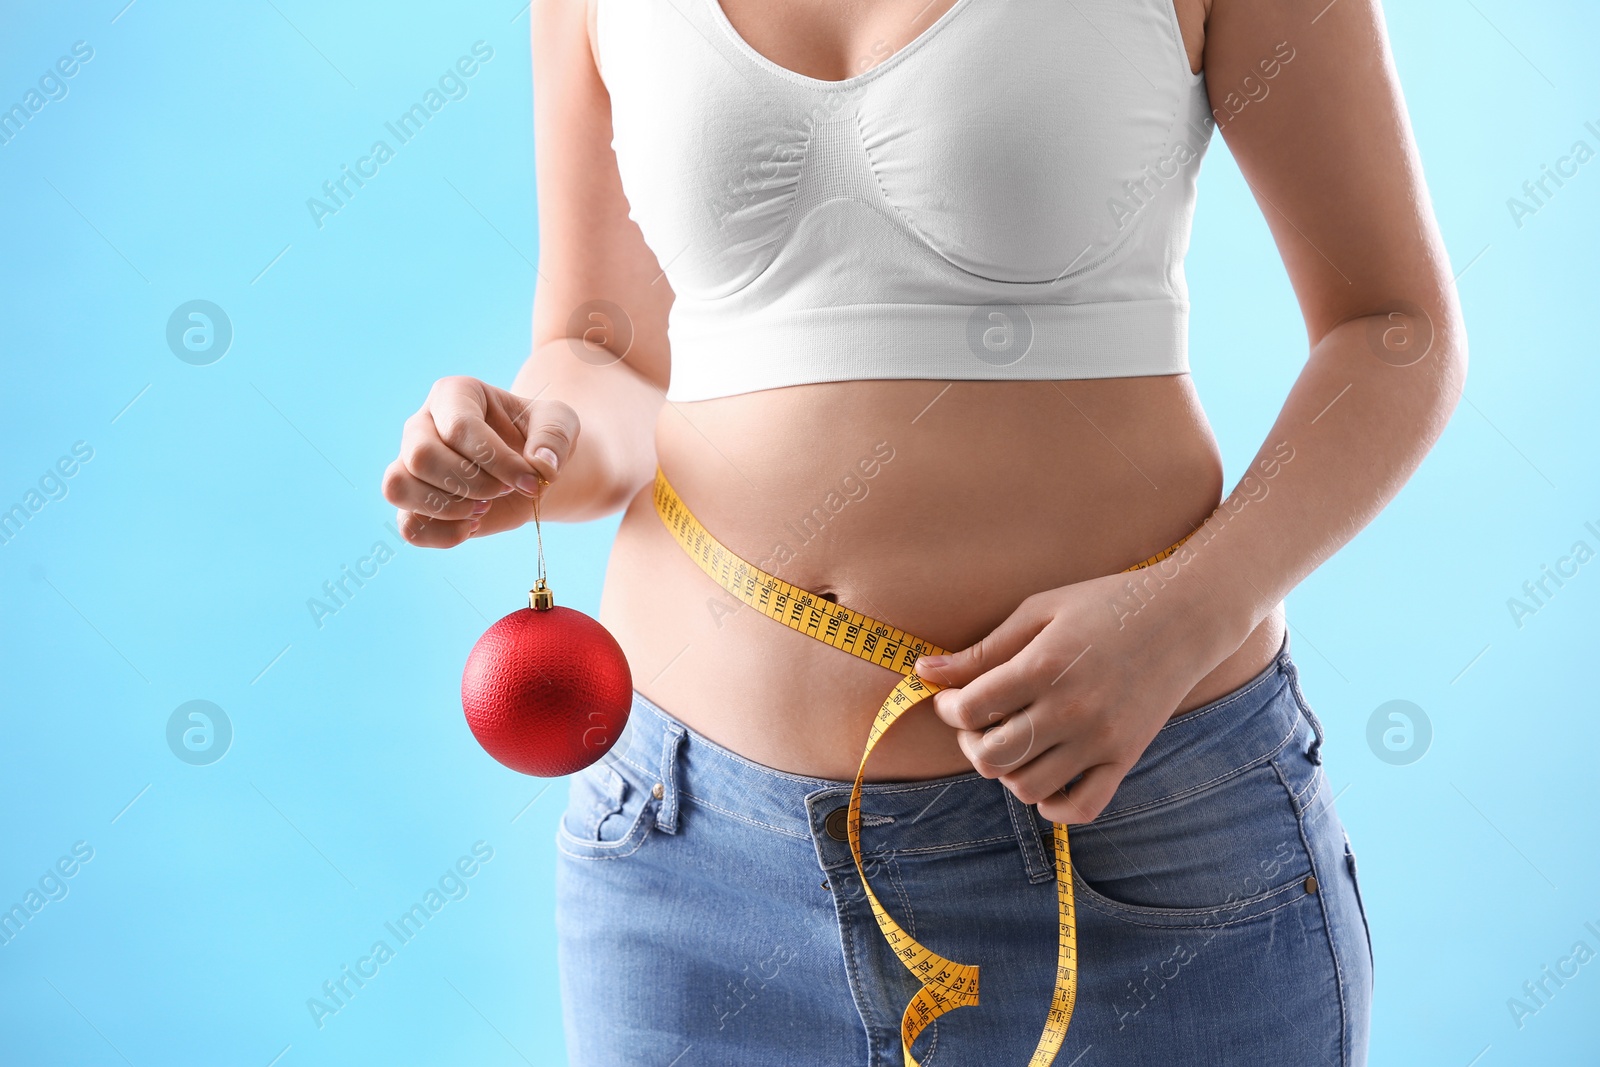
(945,984)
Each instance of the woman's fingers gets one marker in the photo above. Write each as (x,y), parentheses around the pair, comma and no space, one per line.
(473,452)
(1033,757)
(474,440)
(475,459)
(1033,674)
(1051,767)
(410,493)
(998,693)
(1042,781)
(425,531)
(1086,798)
(548,430)
(1007,745)
(999,647)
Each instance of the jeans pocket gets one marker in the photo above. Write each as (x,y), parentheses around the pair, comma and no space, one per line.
(608,812)
(1225,854)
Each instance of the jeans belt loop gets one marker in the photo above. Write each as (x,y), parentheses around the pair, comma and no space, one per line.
(1030,839)
(667,813)
(1314,752)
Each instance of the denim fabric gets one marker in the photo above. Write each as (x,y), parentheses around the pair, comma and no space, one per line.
(720,923)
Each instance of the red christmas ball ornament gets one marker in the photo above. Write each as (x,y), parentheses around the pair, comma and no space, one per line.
(546,689)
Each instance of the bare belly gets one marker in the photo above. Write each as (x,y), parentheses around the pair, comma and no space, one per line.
(936,508)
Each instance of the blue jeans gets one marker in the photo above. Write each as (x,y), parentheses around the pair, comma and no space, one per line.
(708,911)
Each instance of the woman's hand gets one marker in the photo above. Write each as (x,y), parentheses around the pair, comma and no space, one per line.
(1070,685)
(473,459)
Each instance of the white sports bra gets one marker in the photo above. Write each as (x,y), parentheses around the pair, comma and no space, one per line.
(1007,197)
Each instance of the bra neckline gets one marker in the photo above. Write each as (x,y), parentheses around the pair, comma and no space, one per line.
(721,18)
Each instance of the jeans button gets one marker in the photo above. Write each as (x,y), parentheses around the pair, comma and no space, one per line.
(838,824)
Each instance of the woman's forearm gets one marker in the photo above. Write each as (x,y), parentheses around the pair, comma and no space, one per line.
(1355,426)
(615,451)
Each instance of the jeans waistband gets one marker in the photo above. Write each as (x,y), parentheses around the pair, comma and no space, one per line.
(1227,736)
(1239,730)
(924,816)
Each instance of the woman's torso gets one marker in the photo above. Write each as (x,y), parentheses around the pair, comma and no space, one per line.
(938,519)
(937,503)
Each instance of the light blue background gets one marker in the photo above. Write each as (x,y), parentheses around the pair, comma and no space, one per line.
(220,498)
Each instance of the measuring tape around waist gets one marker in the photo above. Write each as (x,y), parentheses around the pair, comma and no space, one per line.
(946,985)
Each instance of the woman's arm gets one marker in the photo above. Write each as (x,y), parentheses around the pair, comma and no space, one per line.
(1330,157)
(1327,149)
(471,457)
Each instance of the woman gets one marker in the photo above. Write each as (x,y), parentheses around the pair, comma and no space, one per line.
(920,265)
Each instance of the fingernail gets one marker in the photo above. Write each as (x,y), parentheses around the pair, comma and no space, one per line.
(528,483)
(547,457)
(504,489)
(472,528)
(480,507)
(932,661)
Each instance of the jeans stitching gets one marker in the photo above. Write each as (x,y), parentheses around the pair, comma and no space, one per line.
(1327,929)
(1029,839)
(1184,914)
(686,795)
(884,789)
(1301,797)
(1361,906)
(1310,716)
(1204,710)
(711,748)
(564,836)
(667,811)
(930,849)
(852,966)
(911,928)
(1315,790)
(600,806)
(1190,791)
(923,850)
(1094,903)
(642,770)
(926,850)
(911,919)
(1092,895)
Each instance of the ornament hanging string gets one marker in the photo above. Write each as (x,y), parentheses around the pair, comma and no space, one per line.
(539,597)
(537,532)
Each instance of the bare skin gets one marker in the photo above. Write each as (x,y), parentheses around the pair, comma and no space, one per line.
(999,522)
